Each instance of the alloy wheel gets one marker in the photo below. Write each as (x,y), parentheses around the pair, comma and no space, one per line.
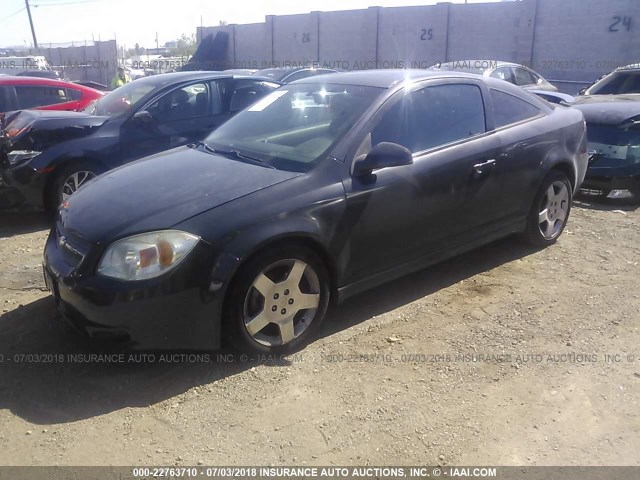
(74,181)
(553,211)
(281,302)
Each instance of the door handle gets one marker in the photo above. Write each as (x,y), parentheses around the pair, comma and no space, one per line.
(481,168)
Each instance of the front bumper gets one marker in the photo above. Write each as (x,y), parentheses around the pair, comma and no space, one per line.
(613,183)
(613,178)
(180,310)
(21,185)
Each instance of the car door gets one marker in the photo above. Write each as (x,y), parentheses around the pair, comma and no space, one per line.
(43,97)
(177,117)
(7,100)
(524,144)
(403,214)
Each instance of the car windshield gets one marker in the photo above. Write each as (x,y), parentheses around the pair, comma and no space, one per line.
(276,74)
(294,126)
(121,99)
(618,83)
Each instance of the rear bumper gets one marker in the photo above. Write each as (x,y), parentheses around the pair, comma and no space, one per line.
(175,311)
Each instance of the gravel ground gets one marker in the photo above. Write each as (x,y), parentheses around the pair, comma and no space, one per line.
(503,356)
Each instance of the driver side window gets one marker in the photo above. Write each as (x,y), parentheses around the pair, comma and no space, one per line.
(432,117)
(523,77)
(183,103)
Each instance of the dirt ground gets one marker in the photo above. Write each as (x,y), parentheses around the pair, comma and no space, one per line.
(503,356)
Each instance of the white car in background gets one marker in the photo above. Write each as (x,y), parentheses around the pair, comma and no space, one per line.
(134,73)
(510,72)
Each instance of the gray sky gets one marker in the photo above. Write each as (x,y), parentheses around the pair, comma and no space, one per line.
(132,21)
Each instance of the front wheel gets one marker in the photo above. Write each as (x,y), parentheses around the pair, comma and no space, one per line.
(550,210)
(278,301)
(67,181)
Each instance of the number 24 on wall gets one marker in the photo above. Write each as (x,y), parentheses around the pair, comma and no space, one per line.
(617,20)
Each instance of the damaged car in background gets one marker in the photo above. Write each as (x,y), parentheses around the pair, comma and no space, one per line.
(622,81)
(46,156)
(613,131)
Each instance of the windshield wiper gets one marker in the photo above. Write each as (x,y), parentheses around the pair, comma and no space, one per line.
(202,144)
(235,154)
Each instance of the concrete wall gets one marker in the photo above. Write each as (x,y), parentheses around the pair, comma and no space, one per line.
(349,38)
(484,31)
(295,38)
(249,44)
(95,62)
(573,41)
(577,40)
(416,36)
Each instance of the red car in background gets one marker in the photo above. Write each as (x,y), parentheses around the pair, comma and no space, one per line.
(21,93)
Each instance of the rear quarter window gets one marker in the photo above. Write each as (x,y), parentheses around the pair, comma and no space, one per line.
(508,109)
(74,94)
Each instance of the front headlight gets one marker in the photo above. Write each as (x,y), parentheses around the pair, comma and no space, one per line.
(18,156)
(146,255)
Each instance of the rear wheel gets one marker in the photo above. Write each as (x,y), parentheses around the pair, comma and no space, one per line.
(278,301)
(550,210)
(67,181)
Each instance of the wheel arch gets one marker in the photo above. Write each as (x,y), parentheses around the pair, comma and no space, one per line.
(301,239)
(64,162)
(568,169)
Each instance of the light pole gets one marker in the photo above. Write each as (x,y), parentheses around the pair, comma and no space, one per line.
(33,31)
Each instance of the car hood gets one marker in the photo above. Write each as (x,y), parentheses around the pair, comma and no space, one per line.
(39,129)
(608,109)
(161,191)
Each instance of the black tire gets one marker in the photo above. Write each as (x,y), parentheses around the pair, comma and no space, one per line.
(243,300)
(56,186)
(533,234)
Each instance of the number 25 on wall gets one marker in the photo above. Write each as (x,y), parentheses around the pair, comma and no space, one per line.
(426,34)
(620,23)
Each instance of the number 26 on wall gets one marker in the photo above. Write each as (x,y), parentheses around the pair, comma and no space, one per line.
(620,23)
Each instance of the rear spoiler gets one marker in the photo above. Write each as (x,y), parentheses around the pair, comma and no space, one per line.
(554,97)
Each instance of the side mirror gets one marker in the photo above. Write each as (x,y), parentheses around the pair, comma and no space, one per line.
(383,155)
(143,117)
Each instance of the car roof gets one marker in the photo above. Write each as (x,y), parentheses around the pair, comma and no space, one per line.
(633,66)
(40,81)
(165,78)
(484,64)
(25,80)
(384,78)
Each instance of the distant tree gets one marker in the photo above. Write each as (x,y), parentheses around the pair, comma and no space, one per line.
(223,23)
(185,46)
